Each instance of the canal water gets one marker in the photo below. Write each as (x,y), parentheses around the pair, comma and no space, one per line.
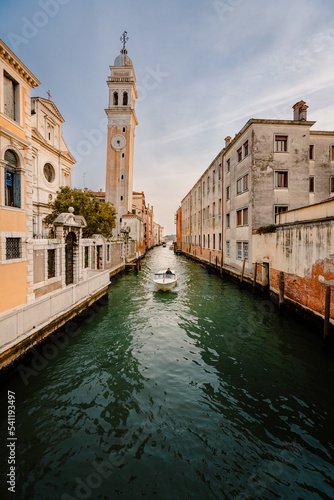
(204,392)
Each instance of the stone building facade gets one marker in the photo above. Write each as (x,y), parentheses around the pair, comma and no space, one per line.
(16,207)
(52,161)
(270,167)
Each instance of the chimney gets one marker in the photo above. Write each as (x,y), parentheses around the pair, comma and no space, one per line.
(227,140)
(300,111)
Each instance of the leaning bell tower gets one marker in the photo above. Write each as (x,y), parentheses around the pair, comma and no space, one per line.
(122,121)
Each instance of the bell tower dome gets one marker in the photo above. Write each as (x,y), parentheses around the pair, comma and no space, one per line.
(122,121)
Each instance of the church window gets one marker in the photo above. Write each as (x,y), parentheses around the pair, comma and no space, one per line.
(125,99)
(12,181)
(122,176)
(123,129)
(123,155)
(115,98)
(121,198)
(49,172)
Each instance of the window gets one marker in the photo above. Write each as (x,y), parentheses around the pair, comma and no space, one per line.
(49,172)
(213,178)
(332,155)
(246,149)
(227,220)
(108,252)
(239,154)
(311,155)
(239,250)
(228,192)
(125,99)
(242,250)
(13,248)
(311,184)
(214,209)
(281,143)
(203,187)
(220,206)
(281,179)
(208,181)
(11,97)
(115,98)
(203,240)
(123,129)
(242,217)
(279,209)
(245,249)
(121,198)
(227,249)
(331,185)
(51,263)
(220,172)
(208,241)
(12,180)
(220,241)
(228,165)
(213,242)
(242,184)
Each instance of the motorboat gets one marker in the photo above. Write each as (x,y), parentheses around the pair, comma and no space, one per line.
(164,245)
(165,281)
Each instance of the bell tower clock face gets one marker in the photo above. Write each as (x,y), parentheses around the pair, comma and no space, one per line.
(118,142)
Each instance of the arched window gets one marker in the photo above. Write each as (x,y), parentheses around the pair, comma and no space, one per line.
(115,98)
(125,98)
(12,180)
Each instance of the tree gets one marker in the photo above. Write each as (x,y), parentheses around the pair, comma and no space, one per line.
(100,216)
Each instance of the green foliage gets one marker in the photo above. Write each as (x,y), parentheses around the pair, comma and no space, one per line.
(100,216)
(266,229)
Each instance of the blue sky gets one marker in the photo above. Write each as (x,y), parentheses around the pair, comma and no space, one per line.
(203,68)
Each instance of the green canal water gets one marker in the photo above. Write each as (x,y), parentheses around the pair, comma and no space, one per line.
(204,392)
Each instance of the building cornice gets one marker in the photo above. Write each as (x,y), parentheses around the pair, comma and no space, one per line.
(9,56)
(261,121)
(6,133)
(50,106)
(322,132)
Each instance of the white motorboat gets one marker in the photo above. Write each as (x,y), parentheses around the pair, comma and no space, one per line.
(165,281)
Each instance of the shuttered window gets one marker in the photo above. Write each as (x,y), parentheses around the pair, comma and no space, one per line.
(12,181)
(10,105)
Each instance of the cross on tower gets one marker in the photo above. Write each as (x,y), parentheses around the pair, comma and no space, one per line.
(49,94)
(124,38)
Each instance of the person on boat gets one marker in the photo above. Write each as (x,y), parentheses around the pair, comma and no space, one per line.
(169,271)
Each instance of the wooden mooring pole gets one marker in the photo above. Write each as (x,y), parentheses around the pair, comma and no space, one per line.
(243,271)
(255,276)
(327,311)
(281,289)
